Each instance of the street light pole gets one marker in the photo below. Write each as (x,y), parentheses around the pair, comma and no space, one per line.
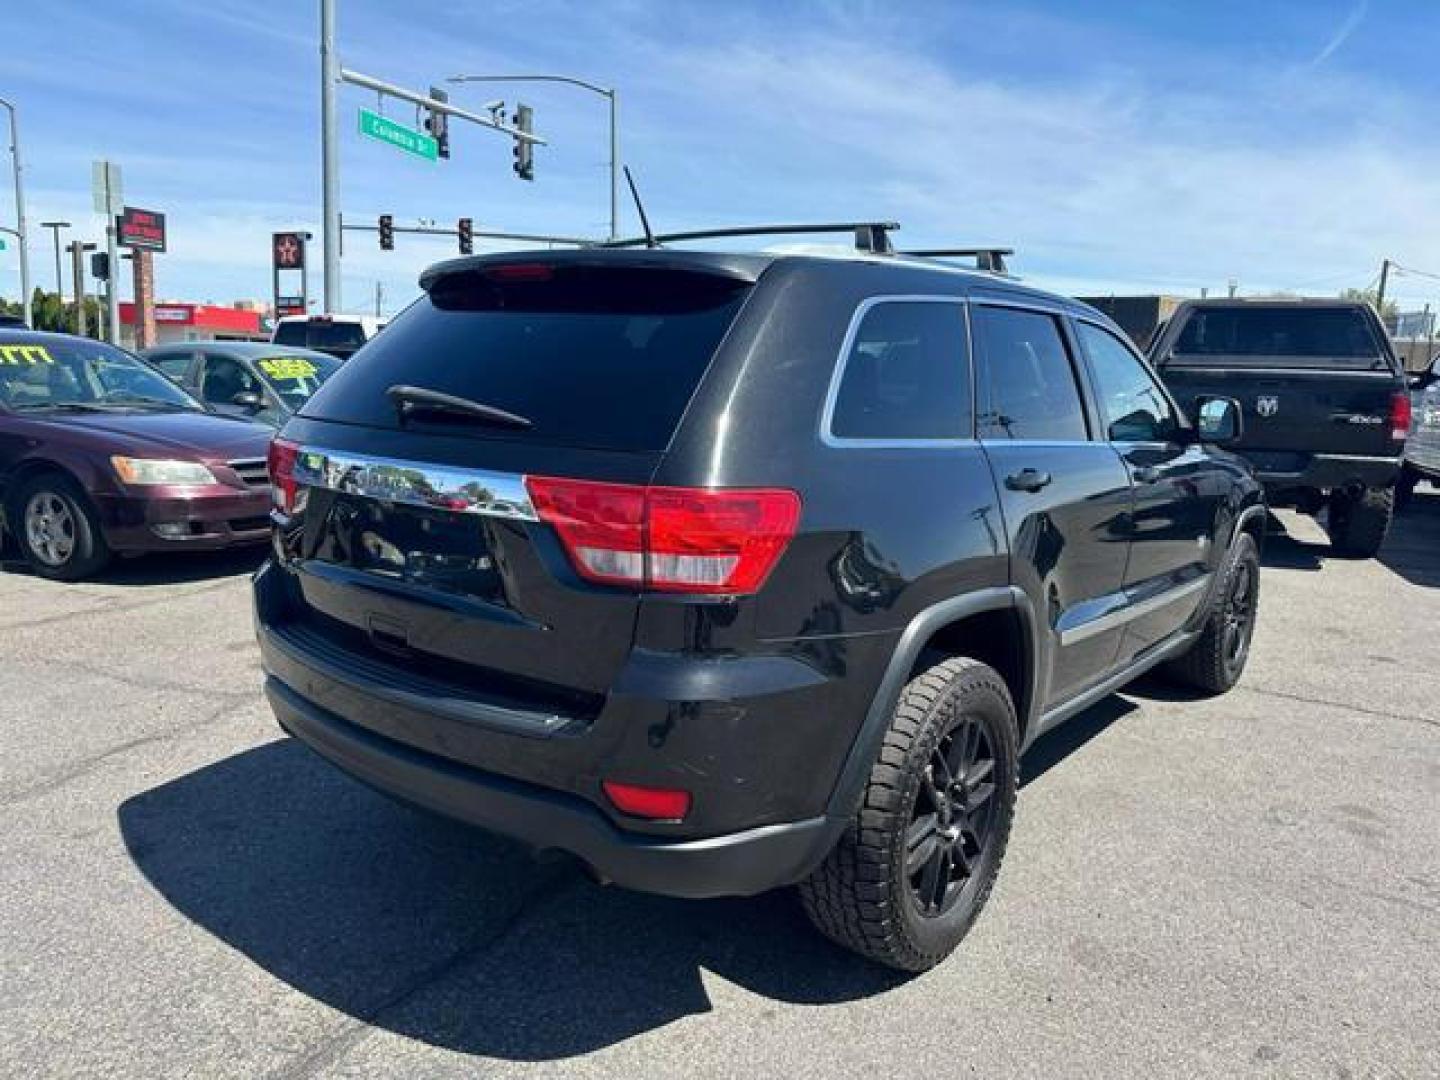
(20,212)
(55,227)
(329,156)
(607,92)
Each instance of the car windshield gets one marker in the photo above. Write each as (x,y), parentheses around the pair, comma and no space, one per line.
(295,376)
(60,373)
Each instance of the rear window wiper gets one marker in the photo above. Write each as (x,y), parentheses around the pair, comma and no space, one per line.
(409,400)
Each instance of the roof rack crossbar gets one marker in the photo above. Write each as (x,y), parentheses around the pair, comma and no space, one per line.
(871,236)
(989,259)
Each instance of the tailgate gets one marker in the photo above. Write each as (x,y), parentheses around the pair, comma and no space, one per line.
(408,536)
(1299,411)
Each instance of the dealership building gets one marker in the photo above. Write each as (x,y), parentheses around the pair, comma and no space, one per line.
(181,322)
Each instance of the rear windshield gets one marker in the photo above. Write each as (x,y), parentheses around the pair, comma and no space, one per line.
(321,335)
(599,357)
(1300,336)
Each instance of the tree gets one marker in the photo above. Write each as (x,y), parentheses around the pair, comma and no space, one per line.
(1369,296)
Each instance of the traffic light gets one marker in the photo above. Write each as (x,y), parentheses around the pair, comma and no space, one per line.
(100,266)
(524,151)
(387,232)
(466,230)
(438,123)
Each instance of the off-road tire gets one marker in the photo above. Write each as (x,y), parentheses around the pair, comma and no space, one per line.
(1357,526)
(1215,662)
(89,553)
(862,896)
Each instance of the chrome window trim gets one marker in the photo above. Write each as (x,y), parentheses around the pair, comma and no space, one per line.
(842,361)
(1130,611)
(454,489)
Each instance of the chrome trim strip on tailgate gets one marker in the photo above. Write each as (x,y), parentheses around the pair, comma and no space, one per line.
(437,487)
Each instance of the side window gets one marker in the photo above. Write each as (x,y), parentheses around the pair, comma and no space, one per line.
(223,379)
(907,374)
(1026,383)
(175,365)
(1132,405)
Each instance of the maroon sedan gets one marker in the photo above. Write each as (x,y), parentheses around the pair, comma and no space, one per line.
(100,453)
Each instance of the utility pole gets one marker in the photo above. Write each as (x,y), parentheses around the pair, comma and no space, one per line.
(20,213)
(1385,265)
(329,156)
(607,92)
(77,272)
(55,227)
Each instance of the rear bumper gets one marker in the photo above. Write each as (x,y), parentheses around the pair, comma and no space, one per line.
(202,522)
(738,864)
(1327,471)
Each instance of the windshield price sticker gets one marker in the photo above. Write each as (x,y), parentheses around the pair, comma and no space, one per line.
(287,367)
(25,354)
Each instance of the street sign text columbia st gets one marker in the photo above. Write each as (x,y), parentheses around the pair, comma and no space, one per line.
(375,126)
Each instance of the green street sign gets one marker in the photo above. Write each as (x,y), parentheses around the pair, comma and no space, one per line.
(2,243)
(377,127)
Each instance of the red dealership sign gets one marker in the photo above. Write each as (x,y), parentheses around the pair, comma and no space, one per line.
(143,229)
(288,249)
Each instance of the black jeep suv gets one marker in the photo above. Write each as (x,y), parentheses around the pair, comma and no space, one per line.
(725,572)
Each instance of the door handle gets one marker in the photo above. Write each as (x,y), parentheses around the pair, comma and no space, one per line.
(1027,480)
(1146,474)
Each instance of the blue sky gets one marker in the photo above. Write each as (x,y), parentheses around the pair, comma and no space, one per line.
(1286,144)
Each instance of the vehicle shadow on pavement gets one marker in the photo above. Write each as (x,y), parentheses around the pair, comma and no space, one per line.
(175,568)
(448,935)
(1057,744)
(1412,549)
(1283,551)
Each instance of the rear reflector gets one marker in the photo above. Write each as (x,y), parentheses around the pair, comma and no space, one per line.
(692,540)
(281,465)
(657,804)
(1399,416)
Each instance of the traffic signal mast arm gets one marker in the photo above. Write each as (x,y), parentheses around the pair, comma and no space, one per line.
(355,78)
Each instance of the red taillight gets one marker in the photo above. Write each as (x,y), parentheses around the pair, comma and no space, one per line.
(281,464)
(657,804)
(693,540)
(1399,416)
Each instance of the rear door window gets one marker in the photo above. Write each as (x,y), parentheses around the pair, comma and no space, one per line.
(592,356)
(906,375)
(1301,336)
(1025,378)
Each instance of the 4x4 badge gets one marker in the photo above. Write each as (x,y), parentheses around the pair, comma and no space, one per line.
(1267,406)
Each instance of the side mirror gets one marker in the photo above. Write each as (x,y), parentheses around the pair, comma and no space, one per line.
(1218,420)
(248,400)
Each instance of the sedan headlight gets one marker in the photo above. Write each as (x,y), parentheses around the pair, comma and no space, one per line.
(156,471)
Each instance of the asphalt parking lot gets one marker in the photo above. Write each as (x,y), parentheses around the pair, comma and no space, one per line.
(1247,886)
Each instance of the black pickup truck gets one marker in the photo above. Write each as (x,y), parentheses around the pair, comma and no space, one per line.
(1325,402)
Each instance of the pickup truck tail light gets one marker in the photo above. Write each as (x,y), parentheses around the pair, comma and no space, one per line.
(1399,416)
(718,542)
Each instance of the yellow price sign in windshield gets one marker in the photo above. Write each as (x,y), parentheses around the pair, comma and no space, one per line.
(288,367)
(25,354)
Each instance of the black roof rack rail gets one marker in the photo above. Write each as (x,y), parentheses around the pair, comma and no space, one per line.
(989,259)
(871,236)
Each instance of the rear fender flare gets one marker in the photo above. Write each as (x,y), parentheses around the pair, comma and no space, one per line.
(853,774)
